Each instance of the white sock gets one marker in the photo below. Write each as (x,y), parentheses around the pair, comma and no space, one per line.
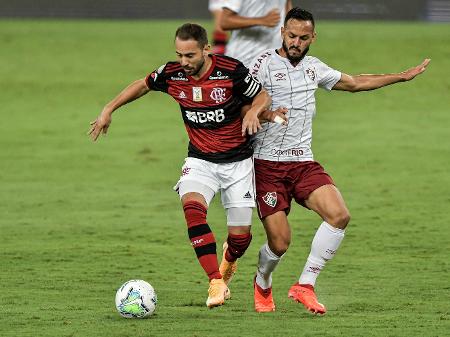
(323,248)
(267,262)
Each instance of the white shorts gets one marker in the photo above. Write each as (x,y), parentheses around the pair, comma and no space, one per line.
(235,181)
(215,5)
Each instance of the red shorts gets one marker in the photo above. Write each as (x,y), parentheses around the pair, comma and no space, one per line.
(278,182)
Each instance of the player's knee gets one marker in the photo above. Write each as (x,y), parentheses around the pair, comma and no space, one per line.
(194,213)
(237,245)
(279,245)
(340,219)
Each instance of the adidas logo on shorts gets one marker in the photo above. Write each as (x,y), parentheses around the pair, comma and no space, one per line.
(248,195)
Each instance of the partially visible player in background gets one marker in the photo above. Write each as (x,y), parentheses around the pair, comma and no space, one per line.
(220,36)
(284,164)
(211,90)
(255,26)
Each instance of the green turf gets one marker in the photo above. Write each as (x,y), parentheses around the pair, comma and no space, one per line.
(78,219)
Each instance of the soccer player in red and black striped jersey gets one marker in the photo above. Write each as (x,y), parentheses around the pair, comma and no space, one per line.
(211,90)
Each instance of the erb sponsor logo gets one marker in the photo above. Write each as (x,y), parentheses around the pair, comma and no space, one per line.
(287,152)
(216,116)
(270,199)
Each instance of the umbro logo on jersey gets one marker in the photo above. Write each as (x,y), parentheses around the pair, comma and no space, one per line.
(270,199)
(182,95)
(248,195)
(280,77)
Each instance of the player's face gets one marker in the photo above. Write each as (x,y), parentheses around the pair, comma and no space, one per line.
(190,56)
(297,36)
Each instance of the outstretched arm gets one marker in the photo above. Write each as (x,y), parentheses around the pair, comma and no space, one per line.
(231,20)
(365,82)
(101,123)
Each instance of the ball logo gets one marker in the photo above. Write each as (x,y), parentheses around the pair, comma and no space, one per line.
(270,199)
(218,95)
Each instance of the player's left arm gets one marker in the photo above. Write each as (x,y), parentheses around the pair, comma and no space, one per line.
(366,82)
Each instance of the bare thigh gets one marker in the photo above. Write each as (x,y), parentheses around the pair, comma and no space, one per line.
(328,202)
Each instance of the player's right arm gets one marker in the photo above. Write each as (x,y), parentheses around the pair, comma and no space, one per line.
(232,20)
(130,93)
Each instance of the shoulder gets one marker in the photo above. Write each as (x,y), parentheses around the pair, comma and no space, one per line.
(170,68)
(227,62)
(261,60)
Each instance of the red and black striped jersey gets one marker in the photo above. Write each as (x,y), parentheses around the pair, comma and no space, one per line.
(211,106)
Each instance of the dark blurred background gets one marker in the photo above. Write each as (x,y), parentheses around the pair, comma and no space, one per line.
(406,10)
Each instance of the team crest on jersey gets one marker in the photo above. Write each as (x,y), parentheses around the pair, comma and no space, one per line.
(218,95)
(270,199)
(311,74)
(197,94)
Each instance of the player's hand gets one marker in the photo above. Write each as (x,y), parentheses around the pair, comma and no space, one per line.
(250,124)
(99,125)
(413,72)
(272,18)
(275,116)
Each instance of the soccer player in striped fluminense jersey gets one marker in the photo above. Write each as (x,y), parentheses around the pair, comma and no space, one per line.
(211,91)
(255,26)
(284,164)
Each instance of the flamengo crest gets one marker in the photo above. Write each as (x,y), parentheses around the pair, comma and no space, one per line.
(270,199)
(218,95)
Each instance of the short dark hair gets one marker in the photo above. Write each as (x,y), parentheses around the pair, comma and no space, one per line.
(192,31)
(299,14)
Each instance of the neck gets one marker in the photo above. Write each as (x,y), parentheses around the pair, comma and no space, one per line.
(205,67)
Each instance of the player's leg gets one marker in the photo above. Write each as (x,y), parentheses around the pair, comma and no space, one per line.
(273,205)
(196,188)
(326,201)
(238,200)
(329,204)
(238,240)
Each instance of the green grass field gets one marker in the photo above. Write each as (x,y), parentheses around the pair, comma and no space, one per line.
(77,219)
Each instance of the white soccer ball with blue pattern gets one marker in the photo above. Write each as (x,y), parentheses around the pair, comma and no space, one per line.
(136,299)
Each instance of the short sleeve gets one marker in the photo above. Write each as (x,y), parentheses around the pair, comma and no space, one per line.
(156,80)
(327,77)
(244,84)
(234,5)
(258,67)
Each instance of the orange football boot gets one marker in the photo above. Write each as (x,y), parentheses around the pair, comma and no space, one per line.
(304,293)
(227,269)
(263,298)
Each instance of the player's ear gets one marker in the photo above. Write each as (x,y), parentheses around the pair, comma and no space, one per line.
(314,37)
(207,50)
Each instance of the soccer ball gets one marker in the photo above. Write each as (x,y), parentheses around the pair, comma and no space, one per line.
(136,299)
